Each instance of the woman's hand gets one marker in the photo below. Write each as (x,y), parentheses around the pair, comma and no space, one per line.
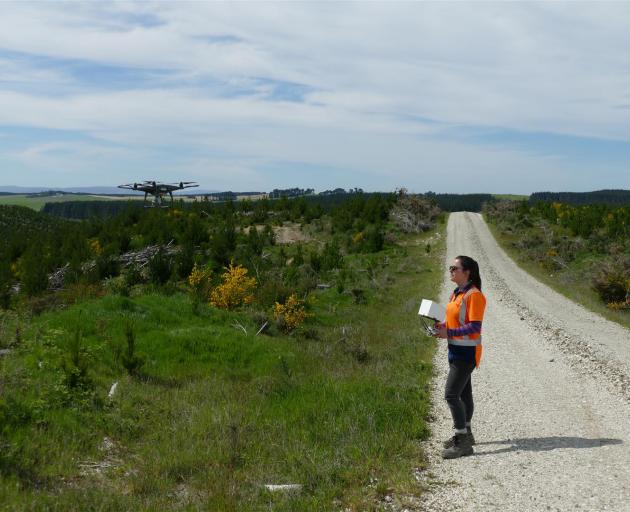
(440,330)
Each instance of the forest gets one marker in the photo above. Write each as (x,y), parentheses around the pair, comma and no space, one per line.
(38,244)
(607,197)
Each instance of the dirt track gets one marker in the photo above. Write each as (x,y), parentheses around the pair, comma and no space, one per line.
(552,397)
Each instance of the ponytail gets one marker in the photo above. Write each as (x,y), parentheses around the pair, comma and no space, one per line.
(471,265)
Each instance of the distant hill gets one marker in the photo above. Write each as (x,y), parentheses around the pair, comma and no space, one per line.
(608,197)
(97,190)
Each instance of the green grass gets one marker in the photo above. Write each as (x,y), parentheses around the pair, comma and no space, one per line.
(38,202)
(512,197)
(214,413)
(574,282)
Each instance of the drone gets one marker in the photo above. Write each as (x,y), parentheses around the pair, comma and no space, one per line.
(158,191)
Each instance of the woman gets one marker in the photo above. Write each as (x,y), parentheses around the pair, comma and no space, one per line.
(462,328)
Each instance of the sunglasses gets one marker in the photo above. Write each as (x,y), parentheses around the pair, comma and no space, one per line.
(453,268)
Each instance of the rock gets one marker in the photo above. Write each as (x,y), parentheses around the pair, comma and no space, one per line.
(283,487)
(112,390)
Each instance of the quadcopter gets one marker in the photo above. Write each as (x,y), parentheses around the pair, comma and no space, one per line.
(158,191)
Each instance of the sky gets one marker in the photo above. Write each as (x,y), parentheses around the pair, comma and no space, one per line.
(502,97)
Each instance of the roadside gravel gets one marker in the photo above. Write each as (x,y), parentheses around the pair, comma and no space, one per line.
(552,397)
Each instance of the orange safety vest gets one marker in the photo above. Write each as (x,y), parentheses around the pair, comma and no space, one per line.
(464,308)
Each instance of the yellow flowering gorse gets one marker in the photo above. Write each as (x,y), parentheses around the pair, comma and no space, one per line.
(235,290)
(620,305)
(95,246)
(291,314)
(199,279)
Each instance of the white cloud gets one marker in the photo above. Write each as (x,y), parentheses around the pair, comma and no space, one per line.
(371,72)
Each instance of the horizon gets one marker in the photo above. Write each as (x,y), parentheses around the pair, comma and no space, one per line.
(451,98)
(203,191)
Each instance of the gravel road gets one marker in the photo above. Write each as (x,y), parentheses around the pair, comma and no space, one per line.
(552,398)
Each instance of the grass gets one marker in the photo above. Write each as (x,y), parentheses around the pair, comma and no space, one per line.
(214,413)
(574,282)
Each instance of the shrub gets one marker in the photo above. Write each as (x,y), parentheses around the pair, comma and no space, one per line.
(223,242)
(620,306)
(75,363)
(185,261)
(106,266)
(359,352)
(291,314)
(611,282)
(33,274)
(315,260)
(116,285)
(329,259)
(235,290)
(298,280)
(159,268)
(95,246)
(5,285)
(340,281)
(80,292)
(272,289)
(199,281)
(370,240)
(131,360)
(254,242)
(261,320)
(298,259)
(358,296)
(374,240)
(413,213)
(132,275)
(331,256)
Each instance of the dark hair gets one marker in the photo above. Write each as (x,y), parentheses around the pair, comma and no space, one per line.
(469,264)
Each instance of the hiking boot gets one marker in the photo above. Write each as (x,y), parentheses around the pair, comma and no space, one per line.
(461,447)
(451,442)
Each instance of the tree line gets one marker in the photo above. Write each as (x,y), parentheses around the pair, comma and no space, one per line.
(606,197)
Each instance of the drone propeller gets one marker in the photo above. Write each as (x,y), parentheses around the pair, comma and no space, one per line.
(130,186)
(184,184)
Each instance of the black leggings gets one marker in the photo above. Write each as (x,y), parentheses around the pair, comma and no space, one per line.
(458,392)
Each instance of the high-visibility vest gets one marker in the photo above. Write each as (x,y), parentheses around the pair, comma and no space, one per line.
(456,309)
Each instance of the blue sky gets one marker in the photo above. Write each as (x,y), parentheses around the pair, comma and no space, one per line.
(450,97)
